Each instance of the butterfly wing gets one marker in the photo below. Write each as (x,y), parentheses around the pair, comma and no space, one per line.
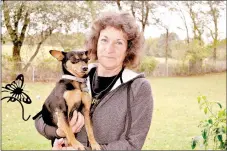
(25,98)
(20,80)
(9,87)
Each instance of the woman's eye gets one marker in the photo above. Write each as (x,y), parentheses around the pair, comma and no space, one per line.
(104,40)
(119,43)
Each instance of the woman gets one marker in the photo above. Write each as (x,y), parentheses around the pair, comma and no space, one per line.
(122,108)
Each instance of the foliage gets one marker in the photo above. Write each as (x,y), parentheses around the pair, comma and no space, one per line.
(67,41)
(148,64)
(181,68)
(49,65)
(196,51)
(213,127)
(8,69)
(150,47)
(156,46)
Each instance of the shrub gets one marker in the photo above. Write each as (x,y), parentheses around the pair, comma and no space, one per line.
(213,133)
(48,69)
(147,65)
(181,68)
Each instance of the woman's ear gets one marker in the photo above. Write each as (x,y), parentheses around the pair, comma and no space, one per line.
(59,55)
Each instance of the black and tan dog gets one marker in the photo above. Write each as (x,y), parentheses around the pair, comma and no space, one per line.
(70,94)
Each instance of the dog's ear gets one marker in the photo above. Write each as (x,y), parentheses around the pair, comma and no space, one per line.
(59,55)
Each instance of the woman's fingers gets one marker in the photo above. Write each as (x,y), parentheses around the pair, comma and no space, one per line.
(58,144)
(79,123)
(74,118)
(68,148)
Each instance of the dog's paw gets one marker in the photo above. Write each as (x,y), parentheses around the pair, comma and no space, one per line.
(95,146)
(78,146)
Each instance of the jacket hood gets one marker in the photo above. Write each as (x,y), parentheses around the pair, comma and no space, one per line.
(127,75)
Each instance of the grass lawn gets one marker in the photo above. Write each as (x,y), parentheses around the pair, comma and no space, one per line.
(175,117)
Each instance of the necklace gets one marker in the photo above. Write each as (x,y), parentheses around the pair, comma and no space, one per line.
(106,87)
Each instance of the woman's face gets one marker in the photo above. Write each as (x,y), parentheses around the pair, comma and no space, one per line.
(111,48)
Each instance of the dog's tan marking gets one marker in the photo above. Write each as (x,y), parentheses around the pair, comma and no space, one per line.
(72,97)
(84,56)
(76,56)
(62,123)
(74,68)
(86,99)
(76,85)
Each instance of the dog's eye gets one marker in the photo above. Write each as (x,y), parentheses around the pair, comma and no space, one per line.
(85,60)
(74,61)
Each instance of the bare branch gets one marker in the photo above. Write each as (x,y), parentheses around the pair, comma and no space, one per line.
(132,8)
(119,4)
(26,22)
(18,16)
(10,30)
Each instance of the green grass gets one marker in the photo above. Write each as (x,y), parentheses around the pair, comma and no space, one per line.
(175,118)
(176,112)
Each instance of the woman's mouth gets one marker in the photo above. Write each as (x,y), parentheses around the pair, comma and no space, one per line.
(108,57)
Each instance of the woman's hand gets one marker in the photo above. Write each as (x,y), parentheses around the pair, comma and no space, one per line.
(77,122)
(58,145)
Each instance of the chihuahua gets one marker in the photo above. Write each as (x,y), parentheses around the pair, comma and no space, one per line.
(70,94)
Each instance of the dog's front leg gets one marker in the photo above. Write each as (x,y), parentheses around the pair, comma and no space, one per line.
(62,124)
(71,97)
(86,99)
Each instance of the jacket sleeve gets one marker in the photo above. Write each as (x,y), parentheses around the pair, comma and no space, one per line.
(47,131)
(141,112)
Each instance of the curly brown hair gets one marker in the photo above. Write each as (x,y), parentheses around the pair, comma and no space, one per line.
(123,21)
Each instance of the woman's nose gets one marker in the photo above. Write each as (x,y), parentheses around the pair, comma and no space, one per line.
(110,47)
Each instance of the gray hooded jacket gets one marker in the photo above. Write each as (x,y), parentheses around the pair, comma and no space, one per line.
(117,124)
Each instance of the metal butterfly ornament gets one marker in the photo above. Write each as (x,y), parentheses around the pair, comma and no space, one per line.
(16,91)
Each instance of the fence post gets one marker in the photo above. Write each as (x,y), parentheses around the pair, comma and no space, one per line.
(33,74)
(188,67)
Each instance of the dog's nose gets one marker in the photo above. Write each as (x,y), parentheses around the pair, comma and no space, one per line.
(84,68)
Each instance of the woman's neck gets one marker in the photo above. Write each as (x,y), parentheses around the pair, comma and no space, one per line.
(103,72)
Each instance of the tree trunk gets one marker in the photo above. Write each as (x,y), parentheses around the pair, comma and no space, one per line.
(214,58)
(16,57)
(166,51)
(215,41)
(119,5)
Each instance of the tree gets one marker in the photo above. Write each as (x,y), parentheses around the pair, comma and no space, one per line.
(37,18)
(12,18)
(90,10)
(198,24)
(215,8)
(139,9)
(164,25)
(177,7)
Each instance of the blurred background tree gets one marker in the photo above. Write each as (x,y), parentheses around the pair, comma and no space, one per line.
(34,26)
